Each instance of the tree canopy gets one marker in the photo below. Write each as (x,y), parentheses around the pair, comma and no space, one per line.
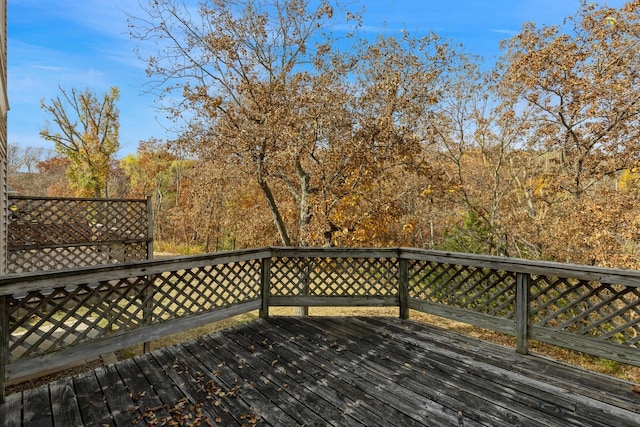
(300,128)
(86,131)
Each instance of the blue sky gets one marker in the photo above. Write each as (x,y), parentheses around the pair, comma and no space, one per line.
(85,44)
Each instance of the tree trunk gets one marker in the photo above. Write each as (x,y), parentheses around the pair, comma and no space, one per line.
(273,208)
(305,209)
(304,223)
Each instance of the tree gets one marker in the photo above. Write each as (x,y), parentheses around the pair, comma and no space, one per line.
(87,134)
(580,87)
(479,142)
(51,178)
(368,169)
(22,168)
(574,86)
(238,66)
(14,159)
(317,127)
(152,171)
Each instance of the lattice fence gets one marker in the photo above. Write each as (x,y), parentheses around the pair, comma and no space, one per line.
(114,308)
(52,233)
(321,276)
(482,290)
(200,289)
(586,308)
(43,322)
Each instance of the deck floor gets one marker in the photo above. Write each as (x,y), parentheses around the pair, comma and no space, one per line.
(317,371)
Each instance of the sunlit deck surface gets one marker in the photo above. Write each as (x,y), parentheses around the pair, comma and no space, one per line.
(292,371)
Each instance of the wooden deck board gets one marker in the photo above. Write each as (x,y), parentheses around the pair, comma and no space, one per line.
(164,390)
(348,380)
(234,392)
(142,395)
(36,407)
(11,411)
(559,381)
(440,383)
(330,371)
(116,395)
(609,389)
(302,379)
(184,372)
(563,385)
(542,400)
(377,380)
(64,403)
(296,381)
(91,400)
(514,399)
(290,411)
(321,378)
(437,383)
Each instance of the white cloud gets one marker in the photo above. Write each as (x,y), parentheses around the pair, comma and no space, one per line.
(502,31)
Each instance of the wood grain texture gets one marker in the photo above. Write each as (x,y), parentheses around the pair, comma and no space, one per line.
(340,371)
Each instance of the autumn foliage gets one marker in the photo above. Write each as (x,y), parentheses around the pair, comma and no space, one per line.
(301,131)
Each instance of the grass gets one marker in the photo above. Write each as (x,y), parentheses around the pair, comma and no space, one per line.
(173,248)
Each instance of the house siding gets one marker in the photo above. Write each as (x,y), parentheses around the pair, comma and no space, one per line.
(4,108)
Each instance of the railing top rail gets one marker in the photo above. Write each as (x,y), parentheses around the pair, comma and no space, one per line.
(330,252)
(521,265)
(74,199)
(25,282)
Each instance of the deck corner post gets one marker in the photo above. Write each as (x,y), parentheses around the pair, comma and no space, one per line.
(522,312)
(4,349)
(265,287)
(403,287)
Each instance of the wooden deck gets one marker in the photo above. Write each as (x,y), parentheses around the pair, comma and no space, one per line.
(330,371)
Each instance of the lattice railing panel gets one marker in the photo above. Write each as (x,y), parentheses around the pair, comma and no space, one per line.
(481,290)
(50,233)
(74,256)
(45,322)
(40,221)
(187,292)
(598,310)
(334,276)
(66,316)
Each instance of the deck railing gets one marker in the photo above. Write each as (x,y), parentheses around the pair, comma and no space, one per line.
(51,319)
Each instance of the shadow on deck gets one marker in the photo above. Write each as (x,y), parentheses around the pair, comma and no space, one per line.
(291,371)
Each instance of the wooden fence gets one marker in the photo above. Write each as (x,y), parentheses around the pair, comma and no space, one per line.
(50,319)
(47,233)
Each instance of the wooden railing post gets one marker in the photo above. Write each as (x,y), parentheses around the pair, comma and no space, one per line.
(149,228)
(4,335)
(522,313)
(148,307)
(403,287)
(304,277)
(265,288)
(149,291)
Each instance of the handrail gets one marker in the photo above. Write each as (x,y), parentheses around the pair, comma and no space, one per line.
(520,265)
(12,283)
(43,280)
(48,319)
